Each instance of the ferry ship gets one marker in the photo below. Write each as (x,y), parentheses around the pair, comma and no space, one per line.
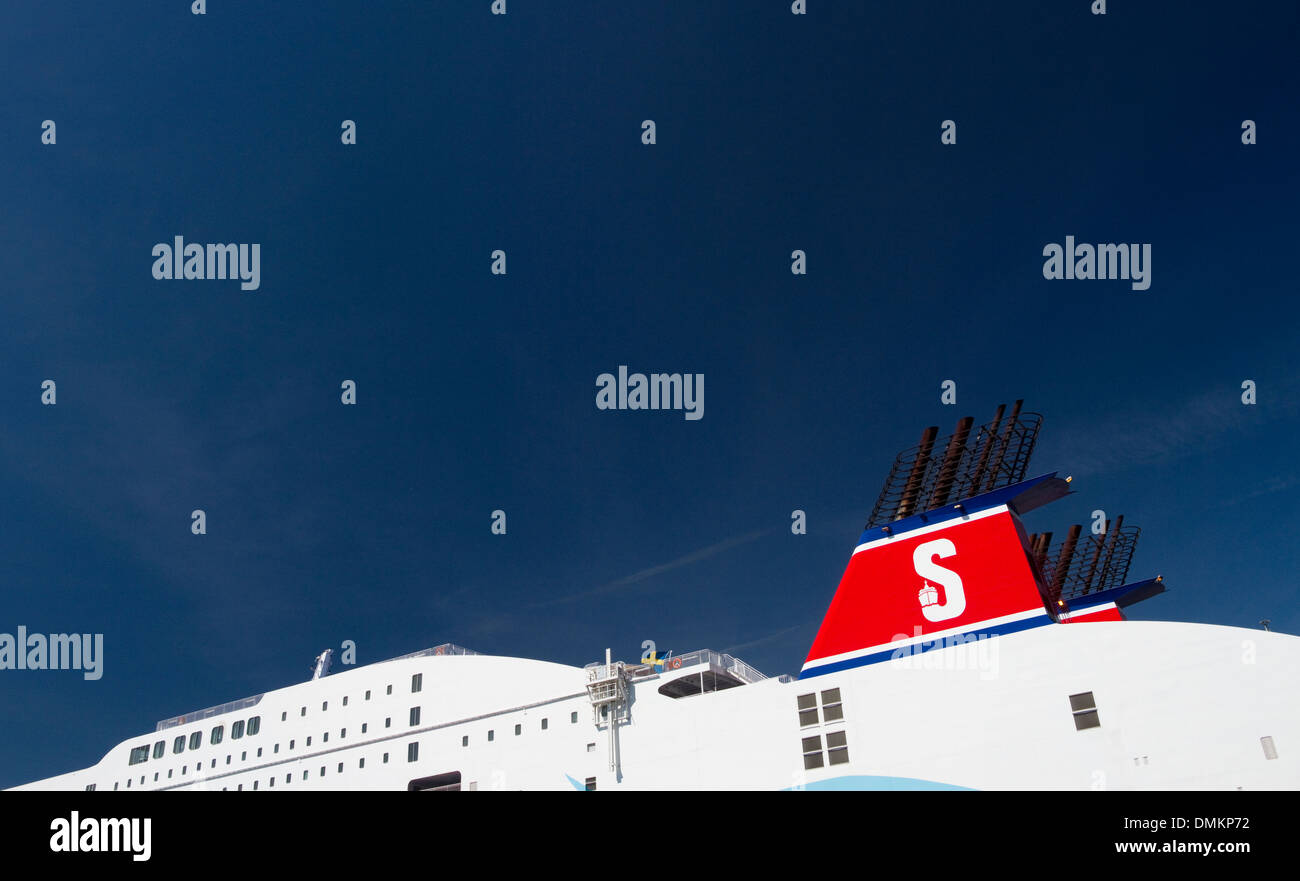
(959,652)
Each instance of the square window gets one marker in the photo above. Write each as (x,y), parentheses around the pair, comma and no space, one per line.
(807,717)
(591,747)
(812,743)
(812,760)
(833,713)
(590,784)
(836,738)
(807,701)
(831,696)
(1082,701)
(1086,719)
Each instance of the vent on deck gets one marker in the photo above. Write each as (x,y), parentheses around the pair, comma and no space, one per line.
(1085,564)
(970,461)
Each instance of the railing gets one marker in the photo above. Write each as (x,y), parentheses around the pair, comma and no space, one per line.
(1091,564)
(966,463)
(447,648)
(200,715)
(738,668)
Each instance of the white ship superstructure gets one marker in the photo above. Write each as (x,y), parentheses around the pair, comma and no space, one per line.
(958,652)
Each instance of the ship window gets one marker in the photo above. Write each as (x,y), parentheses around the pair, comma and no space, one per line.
(304,774)
(388,721)
(243,756)
(590,784)
(464,740)
(544,724)
(213,765)
(324,705)
(155,776)
(390,689)
(491,735)
(139,754)
(573,717)
(364,726)
(322,770)
(309,741)
(227,758)
(271,782)
(303,712)
(291,744)
(159,748)
(591,747)
(449,782)
(115,786)
(169,773)
(367,694)
(178,745)
(807,710)
(255,784)
(325,738)
(1084,709)
(276,749)
(519,729)
(343,733)
(832,708)
(417,682)
(340,767)
(345,700)
(284,716)
(812,752)
(196,740)
(90,787)
(361,763)
(1270,750)
(254,725)
(837,748)
(385,758)
(259,752)
(412,752)
(237,730)
(415,715)
(288,778)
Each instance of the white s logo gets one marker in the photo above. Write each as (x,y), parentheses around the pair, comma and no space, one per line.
(955,594)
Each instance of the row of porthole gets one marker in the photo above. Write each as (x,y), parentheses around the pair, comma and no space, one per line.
(140,754)
(412,754)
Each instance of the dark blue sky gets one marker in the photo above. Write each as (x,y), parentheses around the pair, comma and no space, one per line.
(477,392)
